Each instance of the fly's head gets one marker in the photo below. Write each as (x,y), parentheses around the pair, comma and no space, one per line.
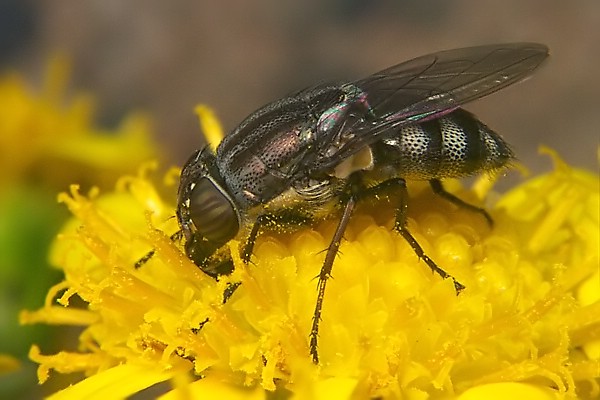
(207,214)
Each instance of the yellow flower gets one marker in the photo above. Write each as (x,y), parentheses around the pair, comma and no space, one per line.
(50,140)
(526,325)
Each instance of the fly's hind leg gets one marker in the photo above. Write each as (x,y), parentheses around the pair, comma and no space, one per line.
(401,228)
(357,192)
(438,189)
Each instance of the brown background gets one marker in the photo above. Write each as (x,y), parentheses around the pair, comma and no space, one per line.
(236,55)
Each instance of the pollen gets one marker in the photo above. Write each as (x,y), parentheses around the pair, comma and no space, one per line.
(525,326)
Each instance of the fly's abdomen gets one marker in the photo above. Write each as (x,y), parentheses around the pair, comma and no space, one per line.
(455,145)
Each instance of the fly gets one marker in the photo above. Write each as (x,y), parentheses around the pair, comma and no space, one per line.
(331,146)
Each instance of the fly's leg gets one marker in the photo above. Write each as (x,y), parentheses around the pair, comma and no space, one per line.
(400,227)
(357,192)
(262,220)
(247,251)
(334,246)
(400,224)
(229,291)
(139,263)
(289,217)
(325,274)
(174,238)
(251,241)
(438,189)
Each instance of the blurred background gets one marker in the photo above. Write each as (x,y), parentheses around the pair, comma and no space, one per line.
(165,57)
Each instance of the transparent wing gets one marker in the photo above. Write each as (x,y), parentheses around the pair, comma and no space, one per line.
(425,88)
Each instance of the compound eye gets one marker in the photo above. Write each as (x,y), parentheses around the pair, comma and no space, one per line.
(212,213)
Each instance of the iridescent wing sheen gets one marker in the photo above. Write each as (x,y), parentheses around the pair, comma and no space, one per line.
(425,88)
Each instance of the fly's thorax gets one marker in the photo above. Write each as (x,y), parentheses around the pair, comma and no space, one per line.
(352,104)
(298,205)
(273,119)
(452,146)
(269,150)
(271,168)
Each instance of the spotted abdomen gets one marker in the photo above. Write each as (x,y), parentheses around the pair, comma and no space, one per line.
(455,145)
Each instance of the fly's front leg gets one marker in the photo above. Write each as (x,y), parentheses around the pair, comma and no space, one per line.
(247,251)
(438,189)
(174,238)
(285,218)
(288,217)
(249,246)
